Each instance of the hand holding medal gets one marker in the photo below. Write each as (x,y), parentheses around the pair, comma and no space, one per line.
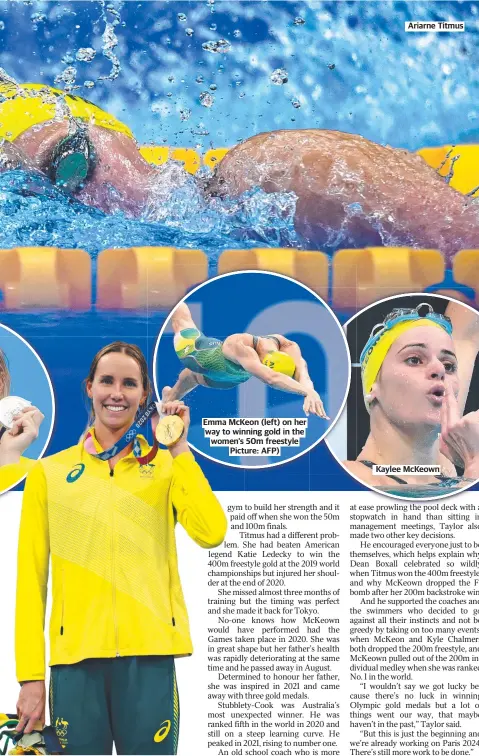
(19,425)
(171,425)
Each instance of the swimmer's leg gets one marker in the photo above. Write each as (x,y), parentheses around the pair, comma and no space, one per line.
(187,381)
(185,330)
(181,319)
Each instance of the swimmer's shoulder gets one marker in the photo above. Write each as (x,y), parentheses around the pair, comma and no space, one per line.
(235,340)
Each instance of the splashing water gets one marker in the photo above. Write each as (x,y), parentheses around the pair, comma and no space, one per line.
(207,99)
(85,54)
(350,64)
(218,46)
(110,41)
(67,78)
(346,70)
(279,76)
(176,214)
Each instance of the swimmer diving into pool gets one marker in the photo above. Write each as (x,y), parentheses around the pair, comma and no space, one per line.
(344,184)
(212,363)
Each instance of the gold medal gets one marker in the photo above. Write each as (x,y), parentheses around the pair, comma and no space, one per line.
(169,430)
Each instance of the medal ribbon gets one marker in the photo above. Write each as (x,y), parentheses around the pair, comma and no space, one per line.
(127,438)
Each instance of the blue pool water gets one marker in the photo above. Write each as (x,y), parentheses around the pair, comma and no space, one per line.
(35,213)
(417,491)
(349,66)
(209,74)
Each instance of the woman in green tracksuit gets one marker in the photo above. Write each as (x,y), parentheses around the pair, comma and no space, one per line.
(118,615)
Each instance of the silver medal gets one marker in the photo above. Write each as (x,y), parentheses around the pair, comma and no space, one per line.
(10,406)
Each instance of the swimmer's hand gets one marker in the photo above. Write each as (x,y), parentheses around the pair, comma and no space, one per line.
(459,438)
(166,394)
(23,433)
(176,407)
(313,404)
(31,706)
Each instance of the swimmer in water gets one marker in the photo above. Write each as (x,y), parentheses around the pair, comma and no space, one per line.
(349,190)
(416,373)
(212,363)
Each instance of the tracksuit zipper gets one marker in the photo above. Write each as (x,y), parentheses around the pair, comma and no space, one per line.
(113,584)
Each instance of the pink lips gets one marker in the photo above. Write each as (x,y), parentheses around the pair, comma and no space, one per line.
(436,394)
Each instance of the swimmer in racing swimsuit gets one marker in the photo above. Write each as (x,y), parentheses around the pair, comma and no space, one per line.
(212,363)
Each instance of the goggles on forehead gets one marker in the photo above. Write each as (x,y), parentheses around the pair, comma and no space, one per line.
(404,315)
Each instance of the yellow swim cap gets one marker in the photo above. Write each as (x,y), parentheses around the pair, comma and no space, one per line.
(373,358)
(26,105)
(280,362)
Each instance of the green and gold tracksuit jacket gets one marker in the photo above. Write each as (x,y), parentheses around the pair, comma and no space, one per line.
(110,535)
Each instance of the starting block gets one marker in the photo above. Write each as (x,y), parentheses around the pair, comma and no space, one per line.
(309,268)
(362,276)
(147,277)
(45,277)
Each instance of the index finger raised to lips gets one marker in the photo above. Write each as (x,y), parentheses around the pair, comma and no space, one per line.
(450,407)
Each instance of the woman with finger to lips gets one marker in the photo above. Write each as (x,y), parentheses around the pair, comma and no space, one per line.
(118,615)
(416,373)
(16,440)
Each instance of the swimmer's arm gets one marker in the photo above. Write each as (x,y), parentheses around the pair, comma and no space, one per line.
(465,334)
(248,359)
(301,375)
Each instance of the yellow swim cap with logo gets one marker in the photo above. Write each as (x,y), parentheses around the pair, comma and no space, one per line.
(280,362)
(397,322)
(25,105)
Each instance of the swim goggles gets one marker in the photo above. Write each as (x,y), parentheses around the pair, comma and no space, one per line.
(402,315)
(37,742)
(8,722)
(72,161)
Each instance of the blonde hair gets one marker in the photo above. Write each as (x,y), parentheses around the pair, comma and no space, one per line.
(131,350)
(4,376)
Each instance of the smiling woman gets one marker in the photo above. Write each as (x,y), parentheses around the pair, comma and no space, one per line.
(105,511)
(115,405)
